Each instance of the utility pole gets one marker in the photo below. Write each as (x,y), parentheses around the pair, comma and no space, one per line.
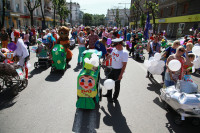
(71,12)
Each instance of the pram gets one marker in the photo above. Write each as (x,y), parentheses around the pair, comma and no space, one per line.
(42,53)
(12,77)
(138,54)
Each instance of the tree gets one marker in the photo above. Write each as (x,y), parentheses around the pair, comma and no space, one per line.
(31,7)
(116,15)
(137,11)
(43,18)
(62,10)
(153,8)
(87,19)
(3,15)
(55,7)
(98,20)
(142,20)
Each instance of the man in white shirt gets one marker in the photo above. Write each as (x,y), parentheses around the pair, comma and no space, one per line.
(119,61)
(21,51)
(12,35)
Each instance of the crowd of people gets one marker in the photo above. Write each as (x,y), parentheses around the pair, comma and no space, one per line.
(98,38)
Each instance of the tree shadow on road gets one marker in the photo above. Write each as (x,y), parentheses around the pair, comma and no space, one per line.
(6,100)
(154,86)
(86,121)
(55,76)
(115,118)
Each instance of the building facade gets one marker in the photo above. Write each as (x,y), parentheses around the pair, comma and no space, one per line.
(18,16)
(124,14)
(176,17)
(76,14)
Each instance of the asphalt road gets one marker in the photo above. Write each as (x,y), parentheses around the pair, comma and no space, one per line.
(47,105)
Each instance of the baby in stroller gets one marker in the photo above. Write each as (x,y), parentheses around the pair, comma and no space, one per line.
(42,53)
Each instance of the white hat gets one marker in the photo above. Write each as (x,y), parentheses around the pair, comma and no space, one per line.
(117,40)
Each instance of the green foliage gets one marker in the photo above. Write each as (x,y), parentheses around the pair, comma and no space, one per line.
(93,20)
(152,7)
(142,20)
(87,19)
(116,15)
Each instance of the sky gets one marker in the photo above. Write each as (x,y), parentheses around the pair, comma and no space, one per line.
(100,6)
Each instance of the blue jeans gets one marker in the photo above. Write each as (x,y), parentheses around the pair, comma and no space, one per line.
(81,49)
(168,81)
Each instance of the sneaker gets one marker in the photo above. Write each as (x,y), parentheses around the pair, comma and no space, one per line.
(151,76)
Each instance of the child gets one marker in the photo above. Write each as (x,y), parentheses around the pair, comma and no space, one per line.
(188,69)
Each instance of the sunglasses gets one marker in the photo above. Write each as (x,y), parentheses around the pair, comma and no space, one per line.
(181,50)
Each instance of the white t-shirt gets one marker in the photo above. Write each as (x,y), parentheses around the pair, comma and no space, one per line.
(118,57)
(12,36)
(21,49)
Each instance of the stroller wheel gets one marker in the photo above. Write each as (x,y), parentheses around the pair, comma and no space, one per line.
(24,84)
(15,90)
(177,120)
(196,122)
(36,65)
(47,65)
(8,83)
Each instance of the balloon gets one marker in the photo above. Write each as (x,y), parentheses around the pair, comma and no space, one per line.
(157,56)
(151,58)
(109,41)
(86,60)
(147,63)
(152,69)
(154,63)
(196,50)
(161,63)
(109,84)
(128,43)
(12,46)
(28,65)
(174,65)
(196,63)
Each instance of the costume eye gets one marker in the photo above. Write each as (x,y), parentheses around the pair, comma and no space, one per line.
(90,81)
(82,80)
(61,32)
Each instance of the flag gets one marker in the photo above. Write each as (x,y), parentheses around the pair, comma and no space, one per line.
(147,27)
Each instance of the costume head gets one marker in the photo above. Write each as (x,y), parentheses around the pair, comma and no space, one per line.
(86,82)
(63,32)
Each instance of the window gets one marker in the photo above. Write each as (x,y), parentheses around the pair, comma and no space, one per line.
(161,13)
(172,11)
(25,9)
(185,8)
(17,7)
(8,5)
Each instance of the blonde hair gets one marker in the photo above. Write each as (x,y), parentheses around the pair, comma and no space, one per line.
(80,33)
(175,42)
(190,45)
